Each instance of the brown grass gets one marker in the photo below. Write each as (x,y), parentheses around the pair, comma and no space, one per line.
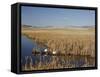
(67,41)
(80,42)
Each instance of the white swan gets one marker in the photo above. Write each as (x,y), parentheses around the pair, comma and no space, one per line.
(54,52)
(45,50)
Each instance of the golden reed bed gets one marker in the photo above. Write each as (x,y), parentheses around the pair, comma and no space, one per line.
(68,41)
(74,43)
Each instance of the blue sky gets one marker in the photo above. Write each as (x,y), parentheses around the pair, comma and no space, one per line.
(40,16)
